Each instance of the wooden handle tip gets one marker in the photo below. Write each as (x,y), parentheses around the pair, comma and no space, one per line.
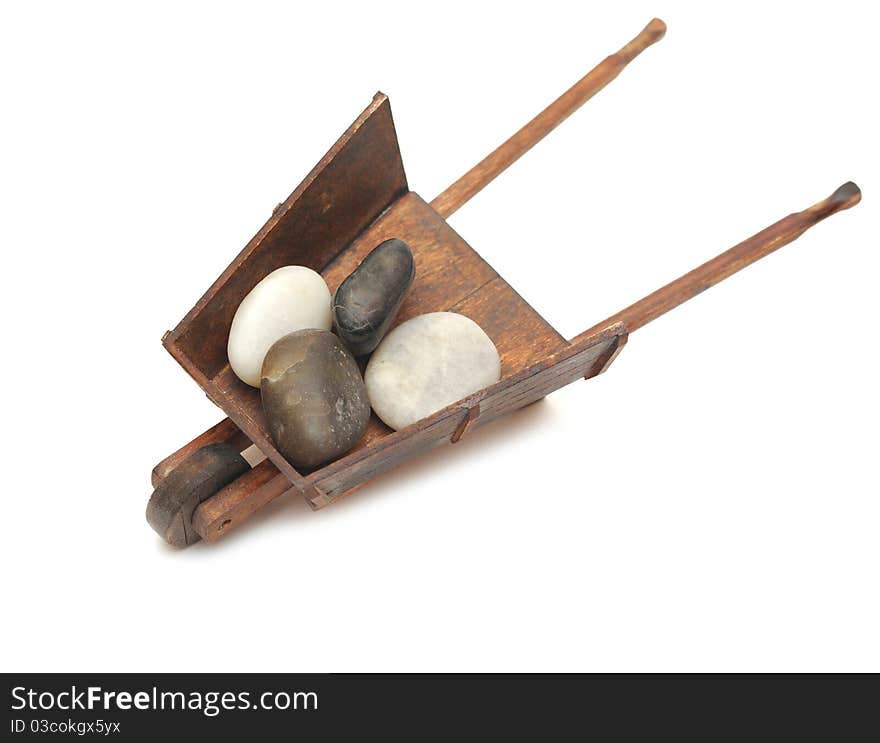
(650,34)
(849,194)
(655,30)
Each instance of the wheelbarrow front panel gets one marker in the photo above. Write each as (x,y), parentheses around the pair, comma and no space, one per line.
(355,181)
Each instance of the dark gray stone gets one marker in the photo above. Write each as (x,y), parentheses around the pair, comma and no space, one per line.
(366,303)
(314,397)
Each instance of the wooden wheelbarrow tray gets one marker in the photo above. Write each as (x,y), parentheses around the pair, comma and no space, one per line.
(356,197)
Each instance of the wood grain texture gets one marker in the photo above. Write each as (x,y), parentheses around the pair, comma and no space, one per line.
(450,275)
(484,172)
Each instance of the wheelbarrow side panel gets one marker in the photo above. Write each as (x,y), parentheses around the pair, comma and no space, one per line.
(585,359)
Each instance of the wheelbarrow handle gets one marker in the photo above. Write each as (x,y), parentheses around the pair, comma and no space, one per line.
(506,154)
(729,262)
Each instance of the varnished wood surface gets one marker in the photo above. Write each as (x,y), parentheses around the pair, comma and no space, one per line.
(450,275)
(448,202)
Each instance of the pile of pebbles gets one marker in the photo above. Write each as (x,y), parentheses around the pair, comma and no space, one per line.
(316,402)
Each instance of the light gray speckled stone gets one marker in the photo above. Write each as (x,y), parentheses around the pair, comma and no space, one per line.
(427,363)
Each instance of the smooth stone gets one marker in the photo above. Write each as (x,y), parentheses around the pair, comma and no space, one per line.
(314,398)
(288,299)
(366,303)
(427,363)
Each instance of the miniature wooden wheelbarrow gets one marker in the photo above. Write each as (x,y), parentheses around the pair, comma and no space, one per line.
(356,197)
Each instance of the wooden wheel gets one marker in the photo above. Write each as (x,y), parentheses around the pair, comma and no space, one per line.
(194,480)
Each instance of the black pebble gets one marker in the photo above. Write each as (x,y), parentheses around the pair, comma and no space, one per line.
(366,303)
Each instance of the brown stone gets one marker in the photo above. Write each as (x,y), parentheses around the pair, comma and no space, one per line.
(314,397)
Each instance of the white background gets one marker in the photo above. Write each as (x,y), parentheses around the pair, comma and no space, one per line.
(709,504)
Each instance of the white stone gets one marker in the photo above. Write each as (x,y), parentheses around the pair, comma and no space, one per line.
(288,299)
(427,363)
